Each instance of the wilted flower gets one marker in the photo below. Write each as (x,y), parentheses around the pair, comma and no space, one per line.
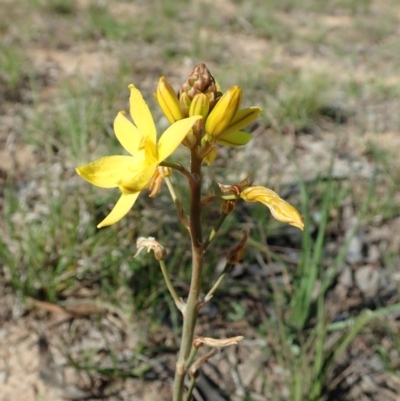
(236,253)
(279,208)
(216,342)
(131,174)
(151,245)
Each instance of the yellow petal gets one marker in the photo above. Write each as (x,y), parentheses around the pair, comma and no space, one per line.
(241,119)
(237,138)
(141,115)
(223,112)
(173,136)
(120,209)
(127,133)
(107,172)
(279,208)
(138,180)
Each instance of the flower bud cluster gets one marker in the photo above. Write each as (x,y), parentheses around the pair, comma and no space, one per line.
(222,119)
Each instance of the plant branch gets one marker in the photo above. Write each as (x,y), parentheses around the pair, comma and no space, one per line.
(178,301)
(217,283)
(181,213)
(214,231)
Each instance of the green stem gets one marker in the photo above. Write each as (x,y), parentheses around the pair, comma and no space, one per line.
(217,283)
(192,355)
(215,230)
(190,315)
(179,304)
(182,216)
(190,390)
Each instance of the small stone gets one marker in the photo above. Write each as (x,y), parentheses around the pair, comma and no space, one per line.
(345,277)
(367,280)
(354,252)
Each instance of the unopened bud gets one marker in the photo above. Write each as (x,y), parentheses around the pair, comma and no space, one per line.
(184,102)
(224,111)
(200,80)
(200,106)
(168,101)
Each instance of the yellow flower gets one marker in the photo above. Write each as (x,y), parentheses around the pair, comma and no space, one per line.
(131,174)
(279,208)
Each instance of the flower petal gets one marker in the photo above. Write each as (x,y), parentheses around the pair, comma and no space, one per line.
(237,138)
(107,172)
(127,133)
(141,114)
(173,136)
(120,209)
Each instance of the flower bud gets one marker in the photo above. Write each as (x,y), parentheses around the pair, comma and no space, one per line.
(168,101)
(223,112)
(200,106)
(184,103)
(200,80)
